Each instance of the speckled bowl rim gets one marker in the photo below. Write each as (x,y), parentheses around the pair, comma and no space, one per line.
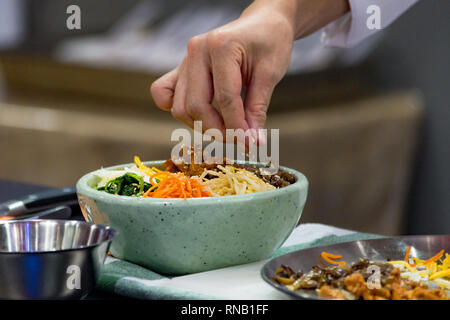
(84,189)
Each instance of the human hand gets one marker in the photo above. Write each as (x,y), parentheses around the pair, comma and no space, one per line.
(252,52)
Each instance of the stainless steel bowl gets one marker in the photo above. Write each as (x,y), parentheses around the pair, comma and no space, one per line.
(51,259)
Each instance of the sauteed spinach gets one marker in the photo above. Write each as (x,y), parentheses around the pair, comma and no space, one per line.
(129,184)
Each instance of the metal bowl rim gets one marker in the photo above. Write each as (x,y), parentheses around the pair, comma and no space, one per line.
(110,235)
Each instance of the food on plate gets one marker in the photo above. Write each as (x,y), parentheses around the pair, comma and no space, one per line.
(407,279)
(181,180)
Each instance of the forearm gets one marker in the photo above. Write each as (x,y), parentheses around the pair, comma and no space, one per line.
(305,16)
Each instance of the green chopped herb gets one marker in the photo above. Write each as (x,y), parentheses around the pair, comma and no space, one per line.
(130,190)
(129,184)
(147,186)
(114,185)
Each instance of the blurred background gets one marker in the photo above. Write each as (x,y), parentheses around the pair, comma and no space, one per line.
(369,126)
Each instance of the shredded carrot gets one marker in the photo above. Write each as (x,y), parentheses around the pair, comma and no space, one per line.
(176,185)
(331,256)
(406,259)
(434,258)
(328,256)
(283,280)
(407,254)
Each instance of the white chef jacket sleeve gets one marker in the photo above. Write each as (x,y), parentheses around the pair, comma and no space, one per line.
(353,27)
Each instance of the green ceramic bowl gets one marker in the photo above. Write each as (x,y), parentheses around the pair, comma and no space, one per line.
(177,236)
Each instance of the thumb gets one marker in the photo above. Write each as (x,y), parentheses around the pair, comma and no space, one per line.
(163,90)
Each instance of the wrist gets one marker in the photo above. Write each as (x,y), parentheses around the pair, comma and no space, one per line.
(283,11)
(312,15)
(302,16)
